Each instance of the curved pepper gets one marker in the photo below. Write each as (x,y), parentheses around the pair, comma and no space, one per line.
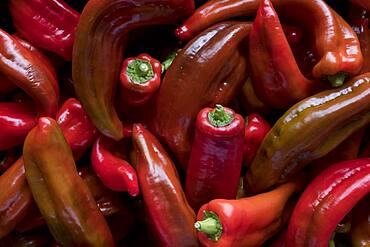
(7,158)
(246,222)
(249,100)
(16,120)
(116,173)
(171,217)
(76,126)
(140,78)
(65,202)
(256,129)
(326,201)
(221,68)
(101,37)
(216,156)
(337,53)
(29,73)
(360,225)
(276,76)
(15,203)
(309,130)
(48,24)
(364,3)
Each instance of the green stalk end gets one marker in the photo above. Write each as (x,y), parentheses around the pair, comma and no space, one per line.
(219,117)
(338,79)
(210,226)
(167,63)
(140,71)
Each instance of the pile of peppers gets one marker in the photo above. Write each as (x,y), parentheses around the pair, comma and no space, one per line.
(219,123)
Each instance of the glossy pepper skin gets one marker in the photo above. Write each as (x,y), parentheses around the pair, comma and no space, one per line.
(309,130)
(169,213)
(48,24)
(276,76)
(245,222)
(102,33)
(76,126)
(209,70)
(18,193)
(325,202)
(115,172)
(256,129)
(360,225)
(65,202)
(337,53)
(216,157)
(140,78)
(29,73)
(16,120)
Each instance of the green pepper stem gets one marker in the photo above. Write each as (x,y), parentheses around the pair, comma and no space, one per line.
(167,63)
(338,79)
(210,226)
(139,71)
(219,117)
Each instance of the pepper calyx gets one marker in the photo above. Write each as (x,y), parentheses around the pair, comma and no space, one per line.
(210,225)
(167,63)
(338,79)
(219,117)
(139,71)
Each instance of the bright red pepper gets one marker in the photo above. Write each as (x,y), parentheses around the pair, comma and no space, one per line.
(326,201)
(140,78)
(76,126)
(216,156)
(256,129)
(276,76)
(29,73)
(16,120)
(116,173)
(169,214)
(7,158)
(48,24)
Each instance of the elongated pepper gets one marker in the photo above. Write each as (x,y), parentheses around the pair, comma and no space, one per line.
(116,173)
(326,201)
(216,156)
(246,222)
(169,213)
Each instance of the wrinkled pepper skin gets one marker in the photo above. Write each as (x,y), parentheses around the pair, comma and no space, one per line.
(65,202)
(216,158)
(256,129)
(364,3)
(169,213)
(101,38)
(18,193)
(116,173)
(16,120)
(326,201)
(77,127)
(29,73)
(48,24)
(16,199)
(309,130)
(276,76)
(138,86)
(249,221)
(337,53)
(360,225)
(209,70)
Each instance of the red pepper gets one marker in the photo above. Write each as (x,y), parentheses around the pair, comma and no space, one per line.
(48,24)
(364,3)
(360,225)
(140,78)
(76,126)
(276,76)
(326,201)
(16,120)
(116,173)
(7,158)
(255,130)
(170,215)
(293,34)
(216,156)
(30,73)
(6,86)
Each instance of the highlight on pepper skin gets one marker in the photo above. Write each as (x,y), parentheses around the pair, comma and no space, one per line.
(233,123)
